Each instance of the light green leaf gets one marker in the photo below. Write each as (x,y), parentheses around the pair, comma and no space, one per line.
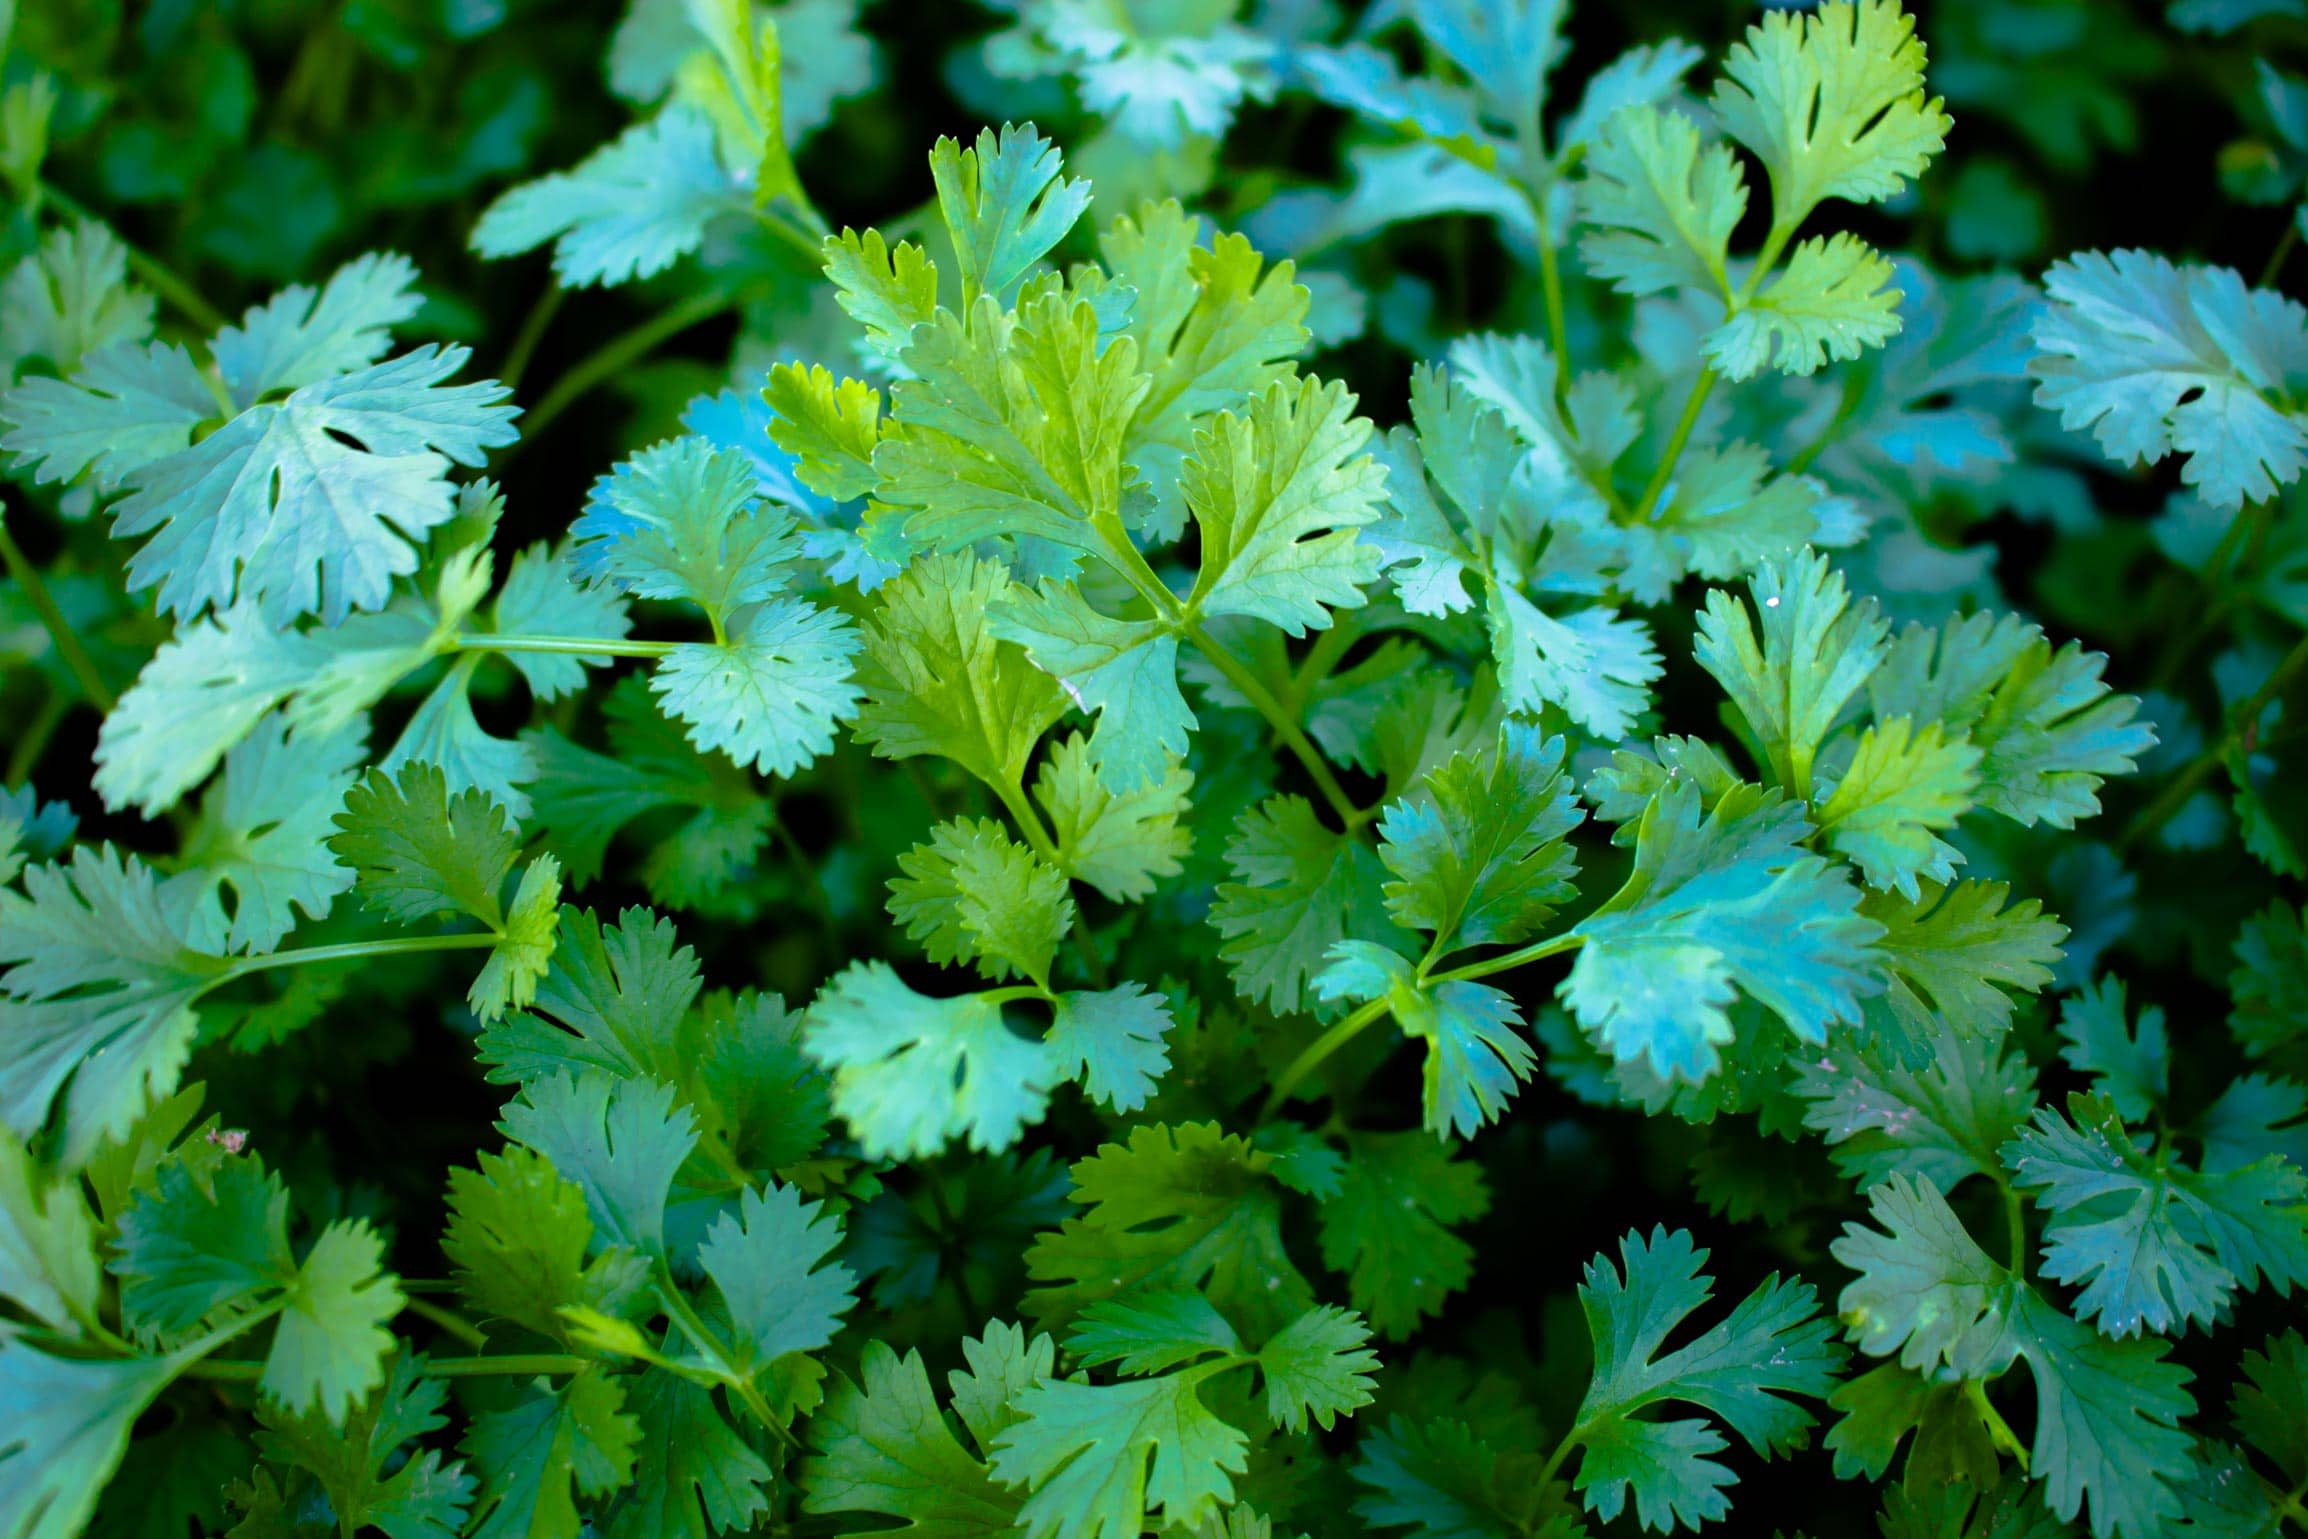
(974,894)
(1832,301)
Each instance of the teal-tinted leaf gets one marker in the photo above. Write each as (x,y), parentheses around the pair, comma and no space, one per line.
(631,209)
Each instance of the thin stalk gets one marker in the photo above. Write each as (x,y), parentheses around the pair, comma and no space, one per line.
(2241,720)
(1022,813)
(532,332)
(158,276)
(525,1364)
(33,742)
(1285,726)
(1662,477)
(1317,1052)
(1530,143)
(2015,1231)
(620,351)
(350,951)
(1534,952)
(448,1320)
(566,646)
(669,1294)
(2284,245)
(812,248)
(1998,1430)
(68,647)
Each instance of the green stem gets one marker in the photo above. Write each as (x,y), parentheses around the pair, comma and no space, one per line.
(1551,290)
(1285,727)
(626,348)
(1555,1459)
(2240,722)
(1662,477)
(567,646)
(1844,407)
(812,248)
(1998,1430)
(531,333)
(448,1320)
(2284,245)
(350,951)
(2015,1231)
(25,756)
(527,1365)
(158,276)
(1569,940)
(669,1294)
(1315,1053)
(68,647)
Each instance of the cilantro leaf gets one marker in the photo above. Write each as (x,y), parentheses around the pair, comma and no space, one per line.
(1120,842)
(1097,1457)
(1474,1056)
(1900,790)
(1938,1120)
(2128,1060)
(1317,1368)
(1176,1207)
(1659,208)
(538,1455)
(195,1250)
(1717,904)
(769,1261)
(685,520)
(1389,1227)
(619,1140)
(424,1498)
(1478,853)
(263,834)
(2155,358)
(1124,672)
(937,681)
(632,208)
(1005,205)
(1112,1041)
(1792,683)
(1832,301)
(68,1421)
(1832,103)
(2047,729)
(693,1476)
(1743,1370)
(48,1261)
(2150,1244)
(1298,890)
(974,894)
(518,1237)
(880,1446)
(912,1074)
(96,1004)
(771,694)
(2106,1411)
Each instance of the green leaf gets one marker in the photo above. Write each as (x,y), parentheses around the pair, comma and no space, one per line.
(879,1445)
(2270,1406)
(329,1348)
(1792,683)
(912,1074)
(1389,1227)
(1953,959)
(2268,987)
(974,894)
(1004,204)
(1937,1120)
(417,851)
(620,1140)
(1438,1479)
(1277,494)
(937,681)
(2047,729)
(685,520)
(518,1236)
(200,1247)
(1099,1458)
(2129,1062)
(1832,103)
(422,1499)
(96,1004)
(768,1259)
(1151,1333)
(1175,1208)
(1659,208)
(1743,1371)
(1716,905)
(1594,663)
(1479,852)
(2106,1411)
(2156,359)
(48,1261)
(617,998)
(1112,1042)
(830,427)
(693,1477)
(68,298)
(536,1457)
(1298,890)
(2149,1244)
(1317,1368)
(771,694)
(1474,1056)
(67,1422)
(1120,842)
(631,209)
(1901,789)
(1124,672)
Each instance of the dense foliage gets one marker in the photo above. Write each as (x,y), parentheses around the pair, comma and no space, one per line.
(1124,765)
